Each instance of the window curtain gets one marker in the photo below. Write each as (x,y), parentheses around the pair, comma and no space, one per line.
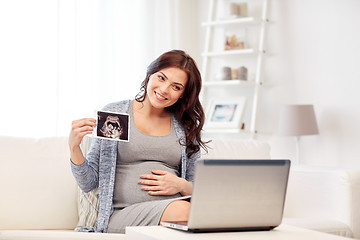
(64,59)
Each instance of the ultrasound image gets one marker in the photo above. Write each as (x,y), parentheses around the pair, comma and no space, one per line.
(113,126)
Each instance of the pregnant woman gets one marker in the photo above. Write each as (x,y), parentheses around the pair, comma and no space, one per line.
(146,180)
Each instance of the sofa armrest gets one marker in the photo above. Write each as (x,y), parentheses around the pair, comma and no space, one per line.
(324,193)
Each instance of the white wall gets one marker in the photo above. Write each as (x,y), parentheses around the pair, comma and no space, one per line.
(60,60)
(314,59)
(28,67)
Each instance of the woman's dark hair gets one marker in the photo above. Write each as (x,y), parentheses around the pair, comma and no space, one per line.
(188,109)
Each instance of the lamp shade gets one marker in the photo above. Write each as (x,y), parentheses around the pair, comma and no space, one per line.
(297,120)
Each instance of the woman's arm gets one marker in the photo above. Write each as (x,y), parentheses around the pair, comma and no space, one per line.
(85,174)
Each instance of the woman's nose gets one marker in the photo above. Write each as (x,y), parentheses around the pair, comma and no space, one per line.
(165,88)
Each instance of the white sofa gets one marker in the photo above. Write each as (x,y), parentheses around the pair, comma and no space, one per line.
(39,195)
(319,198)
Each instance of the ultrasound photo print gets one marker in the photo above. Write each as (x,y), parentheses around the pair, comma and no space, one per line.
(113,126)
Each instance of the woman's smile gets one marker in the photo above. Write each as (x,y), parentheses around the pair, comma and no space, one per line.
(159,96)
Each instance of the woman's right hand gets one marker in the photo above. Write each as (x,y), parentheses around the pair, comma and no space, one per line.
(80,128)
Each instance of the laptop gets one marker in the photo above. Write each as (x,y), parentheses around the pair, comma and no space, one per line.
(236,195)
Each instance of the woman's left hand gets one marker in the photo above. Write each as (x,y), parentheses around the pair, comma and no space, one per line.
(164,183)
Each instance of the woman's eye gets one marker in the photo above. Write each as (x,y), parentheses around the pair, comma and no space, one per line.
(161,78)
(177,88)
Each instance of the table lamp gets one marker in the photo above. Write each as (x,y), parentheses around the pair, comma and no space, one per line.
(297,120)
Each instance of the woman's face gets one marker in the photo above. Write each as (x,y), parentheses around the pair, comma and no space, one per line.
(166,86)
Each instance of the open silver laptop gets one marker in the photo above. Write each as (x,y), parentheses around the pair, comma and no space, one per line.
(235,195)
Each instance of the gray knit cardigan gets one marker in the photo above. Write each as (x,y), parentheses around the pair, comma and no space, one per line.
(100,165)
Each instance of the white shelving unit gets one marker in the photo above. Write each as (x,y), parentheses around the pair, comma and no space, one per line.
(252,85)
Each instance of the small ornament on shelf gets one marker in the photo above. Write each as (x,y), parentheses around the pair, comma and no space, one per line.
(242,73)
(228,73)
(235,10)
(234,42)
(225,73)
(243,9)
(234,73)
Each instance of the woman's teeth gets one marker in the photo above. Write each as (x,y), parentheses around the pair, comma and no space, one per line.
(159,96)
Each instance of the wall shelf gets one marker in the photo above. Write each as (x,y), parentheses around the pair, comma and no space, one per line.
(235,21)
(229,53)
(229,83)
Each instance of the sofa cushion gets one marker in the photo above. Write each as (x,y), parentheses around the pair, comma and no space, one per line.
(237,149)
(317,192)
(38,190)
(88,203)
(318,195)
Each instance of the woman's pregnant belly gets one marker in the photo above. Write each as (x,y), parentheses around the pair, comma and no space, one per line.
(127,189)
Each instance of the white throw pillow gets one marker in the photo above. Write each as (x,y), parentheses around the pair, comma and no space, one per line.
(88,203)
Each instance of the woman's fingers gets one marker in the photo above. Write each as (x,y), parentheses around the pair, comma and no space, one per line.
(151,188)
(149,182)
(155,190)
(83,122)
(84,129)
(159,172)
(150,176)
(80,128)
(157,193)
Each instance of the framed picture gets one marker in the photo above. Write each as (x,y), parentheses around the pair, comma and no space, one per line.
(112,126)
(225,113)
